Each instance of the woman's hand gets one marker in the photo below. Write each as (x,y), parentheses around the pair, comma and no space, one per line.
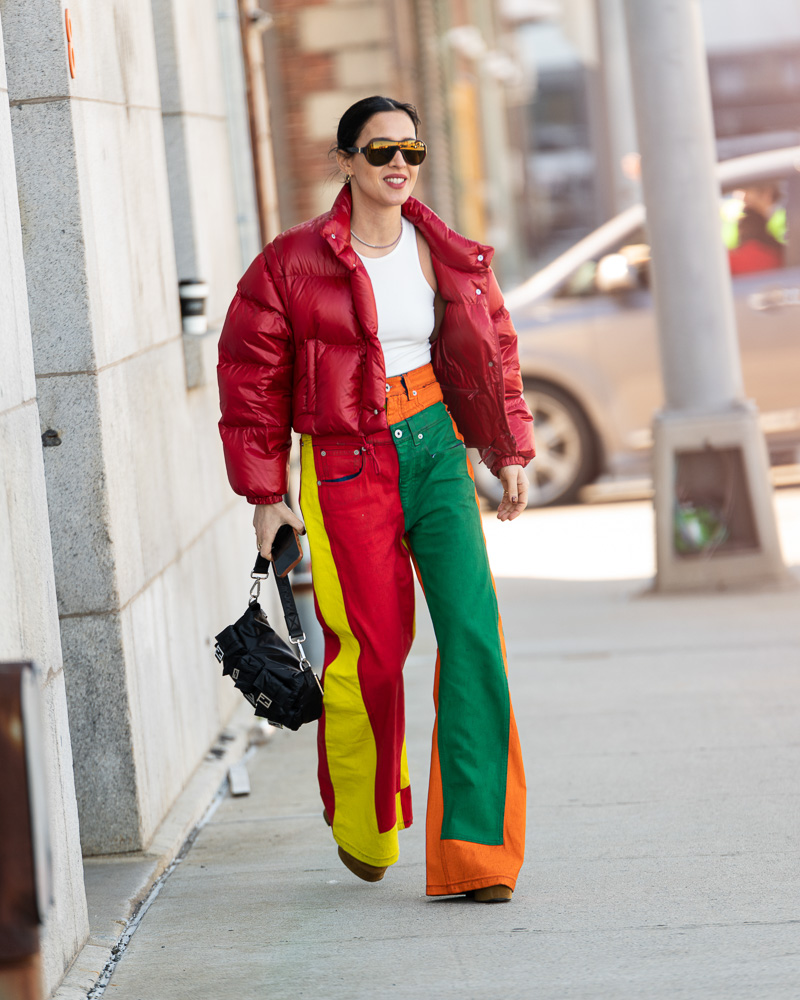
(268,517)
(515,492)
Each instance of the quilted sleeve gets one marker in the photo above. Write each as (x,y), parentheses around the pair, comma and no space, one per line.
(256,359)
(520,421)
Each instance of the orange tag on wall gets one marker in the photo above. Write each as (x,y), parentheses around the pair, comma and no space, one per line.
(70,50)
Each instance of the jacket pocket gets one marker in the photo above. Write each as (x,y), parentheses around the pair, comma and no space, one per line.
(457,390)
(311,376)
(474,412)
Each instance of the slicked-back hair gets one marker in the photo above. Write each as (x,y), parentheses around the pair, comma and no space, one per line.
(357,115)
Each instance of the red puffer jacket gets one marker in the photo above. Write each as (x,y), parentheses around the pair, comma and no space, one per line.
(300,349)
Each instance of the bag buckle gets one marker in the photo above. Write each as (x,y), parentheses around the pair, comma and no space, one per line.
(262,699)
(218,652)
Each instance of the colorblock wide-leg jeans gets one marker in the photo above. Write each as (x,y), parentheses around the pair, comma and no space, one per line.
(371,507)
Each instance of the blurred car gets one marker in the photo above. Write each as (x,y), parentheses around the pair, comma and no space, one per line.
(589,349)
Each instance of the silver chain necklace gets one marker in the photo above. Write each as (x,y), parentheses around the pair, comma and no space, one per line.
(378,246)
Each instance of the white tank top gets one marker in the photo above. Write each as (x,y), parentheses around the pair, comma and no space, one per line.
(404,301)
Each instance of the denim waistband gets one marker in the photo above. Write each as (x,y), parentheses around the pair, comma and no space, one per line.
(409,394)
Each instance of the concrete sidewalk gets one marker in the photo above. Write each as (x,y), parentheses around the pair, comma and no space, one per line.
(662,743)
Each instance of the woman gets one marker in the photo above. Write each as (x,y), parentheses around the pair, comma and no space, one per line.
(353,328)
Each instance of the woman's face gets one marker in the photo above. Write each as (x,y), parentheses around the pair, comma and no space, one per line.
(392,183)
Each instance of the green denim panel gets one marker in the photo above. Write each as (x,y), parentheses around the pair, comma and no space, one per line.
(445,535)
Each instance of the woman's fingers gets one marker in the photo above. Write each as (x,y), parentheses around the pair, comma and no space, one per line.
(515,492)
(267,518)
(266,529)
(265,545)
(295,521)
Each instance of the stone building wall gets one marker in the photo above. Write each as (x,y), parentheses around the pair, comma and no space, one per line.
(29,627)
(150,547)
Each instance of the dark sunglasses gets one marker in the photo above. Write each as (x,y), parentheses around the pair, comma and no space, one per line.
(379,152)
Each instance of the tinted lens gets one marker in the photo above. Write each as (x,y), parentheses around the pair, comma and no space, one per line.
(379,153)
(414,152)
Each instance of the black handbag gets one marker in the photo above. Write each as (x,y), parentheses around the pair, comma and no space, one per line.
(275,678)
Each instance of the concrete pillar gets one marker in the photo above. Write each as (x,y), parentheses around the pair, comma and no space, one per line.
(29,620)
(706,425)
(148,544)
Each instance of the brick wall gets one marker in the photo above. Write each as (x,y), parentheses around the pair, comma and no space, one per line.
(330,53)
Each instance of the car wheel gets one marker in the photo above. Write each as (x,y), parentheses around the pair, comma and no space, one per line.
(565,450)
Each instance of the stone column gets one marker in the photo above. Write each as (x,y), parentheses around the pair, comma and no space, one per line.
(710,459)
(29,622)
(148,542)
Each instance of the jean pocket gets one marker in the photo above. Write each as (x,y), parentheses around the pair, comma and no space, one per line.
(338,465)
(442,440)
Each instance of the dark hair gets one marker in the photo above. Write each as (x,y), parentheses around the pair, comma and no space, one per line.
(357,115)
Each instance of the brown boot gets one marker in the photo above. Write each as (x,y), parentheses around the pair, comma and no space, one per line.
(492,894)
(370,873)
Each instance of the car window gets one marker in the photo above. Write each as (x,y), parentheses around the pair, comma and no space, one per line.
(754,227)
(629,261)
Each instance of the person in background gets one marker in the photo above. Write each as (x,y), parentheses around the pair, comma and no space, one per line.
(381,336)
(757,248)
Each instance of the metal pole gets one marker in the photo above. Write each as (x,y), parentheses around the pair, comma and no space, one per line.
(694,304)
(253,23)
(710,458)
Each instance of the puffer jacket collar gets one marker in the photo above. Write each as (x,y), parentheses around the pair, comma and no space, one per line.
(447,246)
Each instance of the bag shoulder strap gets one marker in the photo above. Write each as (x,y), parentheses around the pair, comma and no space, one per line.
(290,613)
